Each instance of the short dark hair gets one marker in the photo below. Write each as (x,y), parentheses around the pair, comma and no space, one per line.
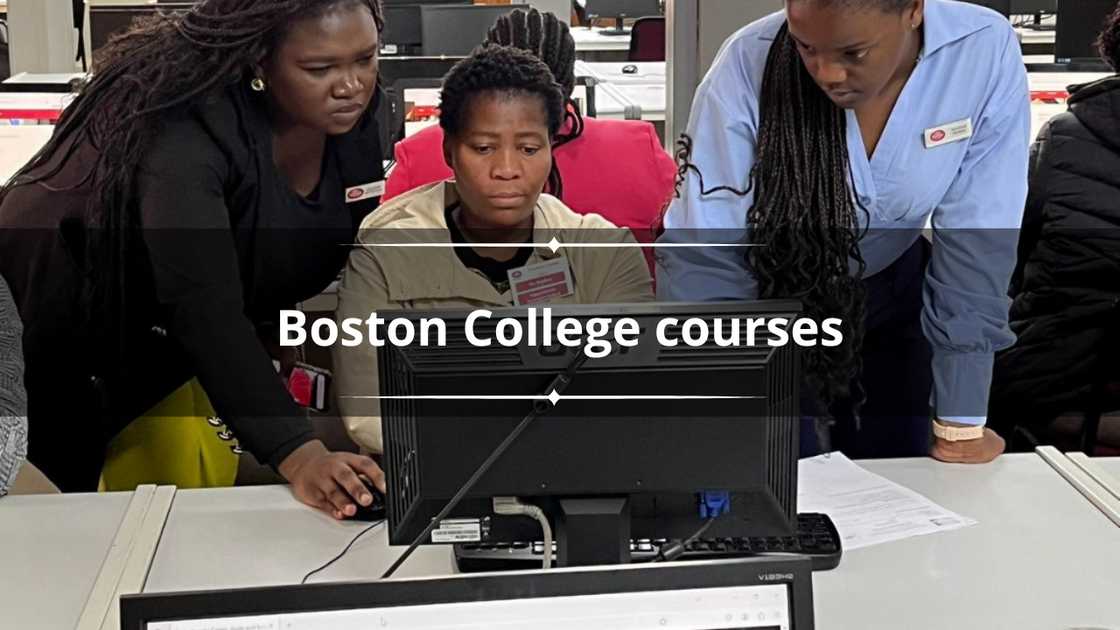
(493,69)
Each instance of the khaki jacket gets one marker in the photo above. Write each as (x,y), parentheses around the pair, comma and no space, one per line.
(433,278)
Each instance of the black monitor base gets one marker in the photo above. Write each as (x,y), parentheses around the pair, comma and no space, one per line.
(618,29)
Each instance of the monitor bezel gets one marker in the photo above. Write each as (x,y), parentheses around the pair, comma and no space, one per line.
(139,610)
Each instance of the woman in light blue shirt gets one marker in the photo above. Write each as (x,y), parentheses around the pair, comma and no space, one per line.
(823,140)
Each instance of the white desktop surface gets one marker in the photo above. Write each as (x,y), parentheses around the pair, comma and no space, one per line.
(51,551)
(262,536)
(592,40)
(1059,81)
(1041,557)
(1111,467)
(18,143)
(648,72)
(613,99)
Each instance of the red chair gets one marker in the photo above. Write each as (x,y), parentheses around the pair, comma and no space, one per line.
(647,39)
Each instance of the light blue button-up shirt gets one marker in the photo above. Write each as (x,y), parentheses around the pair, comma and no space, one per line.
(971,191)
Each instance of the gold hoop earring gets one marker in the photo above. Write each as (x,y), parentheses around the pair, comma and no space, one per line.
(257,84)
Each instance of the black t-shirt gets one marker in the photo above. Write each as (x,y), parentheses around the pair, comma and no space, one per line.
(496,271)
(225,245)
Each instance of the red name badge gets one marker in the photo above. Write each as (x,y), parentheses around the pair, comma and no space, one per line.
(542,282)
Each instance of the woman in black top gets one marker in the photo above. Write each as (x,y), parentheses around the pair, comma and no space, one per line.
(210,174)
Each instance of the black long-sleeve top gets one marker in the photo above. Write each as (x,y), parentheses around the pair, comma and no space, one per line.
(224,245)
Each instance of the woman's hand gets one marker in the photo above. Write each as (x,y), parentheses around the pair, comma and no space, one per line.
(979,451)
(329,481)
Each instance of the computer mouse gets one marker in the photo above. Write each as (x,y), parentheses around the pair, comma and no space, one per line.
(375,511)
(630,69)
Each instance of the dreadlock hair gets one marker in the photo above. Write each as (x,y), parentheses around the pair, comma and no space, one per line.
(804,214)
(501,70)
(551,41)
(161,64)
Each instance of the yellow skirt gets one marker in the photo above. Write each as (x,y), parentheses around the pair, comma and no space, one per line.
(179,442)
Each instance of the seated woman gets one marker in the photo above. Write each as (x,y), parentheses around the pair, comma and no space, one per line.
(1066,285)
(616,168)
(17,475)
(499,110)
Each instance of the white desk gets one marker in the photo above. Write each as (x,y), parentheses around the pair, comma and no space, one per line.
(630,101)
(261,536)
(1040,558)
(1111,465)
(592,45)
(1059,81)
(18,144)
(593,40)
(648,72)
(1097,479)
(53,548)
(44,106)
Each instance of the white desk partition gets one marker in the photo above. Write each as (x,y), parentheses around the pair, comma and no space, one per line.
(262,536)
(1087,479)
(52,552)
(1099,480)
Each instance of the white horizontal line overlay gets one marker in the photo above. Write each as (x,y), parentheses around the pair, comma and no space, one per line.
(553,397)
(555,245)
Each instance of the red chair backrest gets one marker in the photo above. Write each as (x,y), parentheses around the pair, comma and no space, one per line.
(647,39)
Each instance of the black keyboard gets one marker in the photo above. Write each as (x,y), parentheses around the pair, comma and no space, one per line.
(816,537)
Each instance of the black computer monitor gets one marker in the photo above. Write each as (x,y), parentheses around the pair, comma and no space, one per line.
(604,470)
(457,30)
(621,9)
(1003,7)
(1079,24)
(402,23)
(762,594)
(1032,7)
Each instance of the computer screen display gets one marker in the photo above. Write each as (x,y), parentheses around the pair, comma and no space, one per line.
(755,607)
(1079,24)
(756,593)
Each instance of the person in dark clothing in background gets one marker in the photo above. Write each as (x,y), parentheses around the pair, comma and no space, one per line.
(203,180)
(1066,285)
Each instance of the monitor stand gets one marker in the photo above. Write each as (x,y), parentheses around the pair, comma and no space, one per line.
(593,531)
(617,30)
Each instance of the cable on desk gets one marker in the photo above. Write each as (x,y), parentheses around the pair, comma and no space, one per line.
(672,550)
(344,551)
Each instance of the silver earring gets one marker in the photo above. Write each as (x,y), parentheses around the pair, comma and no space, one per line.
(257,84)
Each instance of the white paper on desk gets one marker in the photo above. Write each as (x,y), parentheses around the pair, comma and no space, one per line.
(868,509)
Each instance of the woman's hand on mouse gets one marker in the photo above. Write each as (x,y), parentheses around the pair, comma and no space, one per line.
(329,481)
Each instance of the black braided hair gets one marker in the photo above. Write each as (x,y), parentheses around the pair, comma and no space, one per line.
(551,41)
(160,64)
(493,69)
(805,211)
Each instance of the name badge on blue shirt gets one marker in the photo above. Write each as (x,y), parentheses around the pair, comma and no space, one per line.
(949,132)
